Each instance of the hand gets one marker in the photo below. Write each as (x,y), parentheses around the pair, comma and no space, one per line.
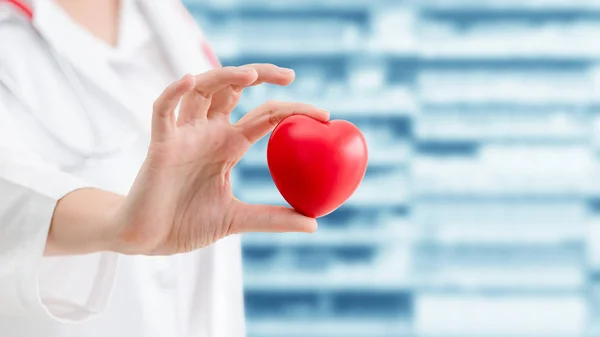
(182,198)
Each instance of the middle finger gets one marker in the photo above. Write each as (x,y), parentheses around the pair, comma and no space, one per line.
(195,104)
(227,99)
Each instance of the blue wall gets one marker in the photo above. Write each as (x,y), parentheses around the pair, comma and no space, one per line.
(480,212)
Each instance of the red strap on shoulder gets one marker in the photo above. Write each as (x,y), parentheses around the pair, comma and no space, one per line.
(210,54)
(206,48)
(23,7)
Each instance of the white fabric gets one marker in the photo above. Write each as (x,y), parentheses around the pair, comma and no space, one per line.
(105,295)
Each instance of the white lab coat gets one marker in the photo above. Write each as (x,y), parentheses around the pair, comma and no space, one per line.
(99,295)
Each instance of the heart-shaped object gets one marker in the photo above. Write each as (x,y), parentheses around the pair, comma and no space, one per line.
(316,166)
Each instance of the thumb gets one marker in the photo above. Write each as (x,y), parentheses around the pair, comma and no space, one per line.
(247,218)
(262,120)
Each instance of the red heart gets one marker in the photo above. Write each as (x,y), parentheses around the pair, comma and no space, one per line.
(316,166)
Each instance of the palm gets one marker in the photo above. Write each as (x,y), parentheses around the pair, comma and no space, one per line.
(185,181)
(204,155)
(215,141)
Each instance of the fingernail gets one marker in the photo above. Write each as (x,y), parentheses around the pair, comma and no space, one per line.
(285,70)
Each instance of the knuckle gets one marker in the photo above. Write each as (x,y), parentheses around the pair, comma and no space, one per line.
(269,66)
(263,69)
(203,93)
(234,69)
(273,118)
(273,112)
(213,73)
(226,71)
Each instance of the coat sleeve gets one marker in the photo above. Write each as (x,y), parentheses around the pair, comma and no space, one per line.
(67,289)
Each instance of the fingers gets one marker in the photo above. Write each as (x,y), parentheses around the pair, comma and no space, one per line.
(195,105)
(225,101)
(262,120)
(270,73)
(269,219)
(163,115)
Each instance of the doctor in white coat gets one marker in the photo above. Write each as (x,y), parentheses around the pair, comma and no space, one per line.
(116,212)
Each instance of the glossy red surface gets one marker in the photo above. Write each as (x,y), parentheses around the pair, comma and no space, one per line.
(316,166)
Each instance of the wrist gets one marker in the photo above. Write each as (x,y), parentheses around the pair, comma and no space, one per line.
(111,225)
(84,223)
(123,234)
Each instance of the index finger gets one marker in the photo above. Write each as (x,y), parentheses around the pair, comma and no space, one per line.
(270,73)
(225,101)
(217,79)
(197,104)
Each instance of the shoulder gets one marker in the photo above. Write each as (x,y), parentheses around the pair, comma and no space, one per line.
(23,54)
(20,42)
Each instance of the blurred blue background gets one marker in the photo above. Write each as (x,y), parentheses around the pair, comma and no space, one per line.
(480,212)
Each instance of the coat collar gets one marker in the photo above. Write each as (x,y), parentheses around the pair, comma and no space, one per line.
(181,39)
(69,42)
